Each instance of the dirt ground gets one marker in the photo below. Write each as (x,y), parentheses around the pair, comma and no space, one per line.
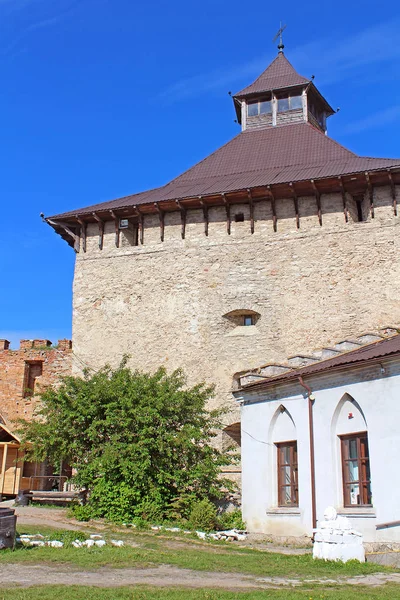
(164,576)
(161,576)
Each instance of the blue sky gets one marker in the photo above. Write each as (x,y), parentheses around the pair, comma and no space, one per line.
(104,98)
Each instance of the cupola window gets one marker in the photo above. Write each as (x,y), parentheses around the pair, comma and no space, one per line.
(289,103)
(259,108)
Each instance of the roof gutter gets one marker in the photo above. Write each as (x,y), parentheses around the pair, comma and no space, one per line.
(311,399)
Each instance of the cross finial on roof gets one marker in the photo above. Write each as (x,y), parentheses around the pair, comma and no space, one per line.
(279,34)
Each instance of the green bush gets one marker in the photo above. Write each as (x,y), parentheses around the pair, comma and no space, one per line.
(79,512)
(231,520)
(203,515)
(137,442)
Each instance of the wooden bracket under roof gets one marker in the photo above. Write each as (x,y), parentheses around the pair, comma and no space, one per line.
(228,213)
(370,194)
(273,207)
(100,223)
(83,225)
(318,199)
(204,206)
(344,199)
(141,223)
(183,218)
(296,204)
(73,235)
(116,224)
(393,191)
(251,206)
(161,216)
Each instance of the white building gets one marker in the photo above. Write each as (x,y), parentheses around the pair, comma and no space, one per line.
(324,434)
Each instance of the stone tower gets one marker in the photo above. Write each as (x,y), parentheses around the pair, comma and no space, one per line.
(279,242)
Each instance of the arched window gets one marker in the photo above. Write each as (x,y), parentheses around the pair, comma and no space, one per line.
(350,429)
(284,439)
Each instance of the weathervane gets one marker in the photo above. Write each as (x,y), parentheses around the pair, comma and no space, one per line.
(279,35)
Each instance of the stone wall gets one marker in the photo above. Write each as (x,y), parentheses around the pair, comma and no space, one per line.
(15,400)
(164,302)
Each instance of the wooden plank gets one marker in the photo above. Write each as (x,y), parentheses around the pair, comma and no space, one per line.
(296,205)
(141,224)
(228,214)
(183,218)
(393,190)
(3,469)
(67,230)
(101,230)
(318,199)
(161,216)
(273,207)
(251,205)
(116,224)
(370,195)
(205,215)
(343,192)
(83,232)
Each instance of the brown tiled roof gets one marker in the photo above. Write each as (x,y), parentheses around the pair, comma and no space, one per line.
(256,158)
(382,349)
(279,74)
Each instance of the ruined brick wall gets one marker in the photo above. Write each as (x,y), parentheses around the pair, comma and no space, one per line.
(53,362)
(164,303)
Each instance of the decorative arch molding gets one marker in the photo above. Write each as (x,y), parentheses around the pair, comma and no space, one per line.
(282,427)
(348,417)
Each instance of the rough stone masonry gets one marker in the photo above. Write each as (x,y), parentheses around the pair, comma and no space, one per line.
(165,303)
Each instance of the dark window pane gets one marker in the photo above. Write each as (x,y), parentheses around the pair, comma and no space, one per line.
(247,320)
(252,109)
(283,104)
(265,107)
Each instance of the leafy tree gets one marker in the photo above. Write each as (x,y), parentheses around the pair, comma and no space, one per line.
(138,441)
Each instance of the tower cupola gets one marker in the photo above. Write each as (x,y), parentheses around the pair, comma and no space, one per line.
(280,96)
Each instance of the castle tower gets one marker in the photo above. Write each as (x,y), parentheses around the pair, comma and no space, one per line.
(280,241)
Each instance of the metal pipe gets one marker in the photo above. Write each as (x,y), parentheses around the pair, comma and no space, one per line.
(312,458)
(386,525)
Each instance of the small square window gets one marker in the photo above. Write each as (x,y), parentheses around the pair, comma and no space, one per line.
(248,320)
(252,109)
(239,218)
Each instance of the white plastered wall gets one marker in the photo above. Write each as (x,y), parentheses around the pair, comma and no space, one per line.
(372,397)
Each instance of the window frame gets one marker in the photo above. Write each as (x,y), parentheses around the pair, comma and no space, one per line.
(258,104)
(294,479)
(289,99)
(245,317)
(363,466)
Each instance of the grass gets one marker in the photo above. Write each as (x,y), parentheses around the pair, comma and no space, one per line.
(156,550)
(388,592)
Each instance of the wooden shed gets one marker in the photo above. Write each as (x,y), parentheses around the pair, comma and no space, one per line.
(11,463)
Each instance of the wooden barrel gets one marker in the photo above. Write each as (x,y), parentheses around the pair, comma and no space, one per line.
(8,522)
